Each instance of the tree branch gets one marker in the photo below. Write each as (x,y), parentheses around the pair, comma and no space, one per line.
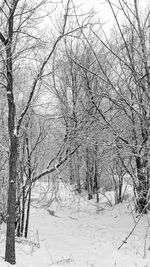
(56,167)
(3,40)
(39,75)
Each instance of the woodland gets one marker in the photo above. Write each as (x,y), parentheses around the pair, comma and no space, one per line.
(74,105)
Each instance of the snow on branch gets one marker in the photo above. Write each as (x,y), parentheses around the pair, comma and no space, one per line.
(55,168)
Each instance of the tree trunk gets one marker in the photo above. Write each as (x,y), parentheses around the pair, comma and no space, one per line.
(120,189)
(96,185)
(23,211)
(10,232)
(77,171)
(143,185)
(71,170)
(28,214)
(18,220)
(89,180)
(13,157)
(30,183)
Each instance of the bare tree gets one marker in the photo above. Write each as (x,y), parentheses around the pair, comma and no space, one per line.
(16,15)
(127,89)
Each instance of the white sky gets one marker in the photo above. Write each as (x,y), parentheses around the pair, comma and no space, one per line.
(103,9)
(100,7)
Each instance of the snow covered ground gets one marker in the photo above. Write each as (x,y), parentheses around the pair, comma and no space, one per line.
(82,235)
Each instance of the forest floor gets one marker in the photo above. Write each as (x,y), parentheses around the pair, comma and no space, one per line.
(84,235)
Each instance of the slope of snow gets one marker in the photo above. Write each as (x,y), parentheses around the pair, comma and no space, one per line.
(85,236)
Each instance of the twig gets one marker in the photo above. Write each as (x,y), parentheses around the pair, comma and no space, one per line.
(125,241)
(132,212)
(109,201)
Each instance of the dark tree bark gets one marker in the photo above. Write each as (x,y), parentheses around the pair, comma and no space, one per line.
(23,211)
(10,232)
(96,185)
(30,184)
(71,170)
(89,175)
(28,214)
(18,220)
(143,185)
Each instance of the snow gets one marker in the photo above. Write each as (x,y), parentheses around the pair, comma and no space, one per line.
(87,234)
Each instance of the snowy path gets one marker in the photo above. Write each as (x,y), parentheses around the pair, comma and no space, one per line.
(82,239)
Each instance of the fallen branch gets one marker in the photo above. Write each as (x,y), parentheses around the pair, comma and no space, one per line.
(125,241)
